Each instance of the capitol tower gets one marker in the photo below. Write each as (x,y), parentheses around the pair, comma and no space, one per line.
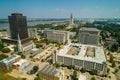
(71,20)
(71,23)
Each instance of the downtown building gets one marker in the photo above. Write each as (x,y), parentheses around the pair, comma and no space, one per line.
(57,36)
(7,63)
(18,25)
(15,62)
(87,53)
(18,33)
(49,72)
(32,32)
(89,36)
(90,57)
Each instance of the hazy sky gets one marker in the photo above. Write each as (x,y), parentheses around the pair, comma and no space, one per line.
(61,8)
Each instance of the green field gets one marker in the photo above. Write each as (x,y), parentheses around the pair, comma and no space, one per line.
(4,76)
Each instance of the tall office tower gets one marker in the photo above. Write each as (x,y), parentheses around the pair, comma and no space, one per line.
(89,36)
(71,20)
(18,25)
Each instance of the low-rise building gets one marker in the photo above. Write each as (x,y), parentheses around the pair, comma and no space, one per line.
(89,57)
(32,33)
(24,66)
(7,64)
(3,34)
(43,45)
(35,51)
(26,46)
(89,36)
(48,72)
(15,62)
(57,36)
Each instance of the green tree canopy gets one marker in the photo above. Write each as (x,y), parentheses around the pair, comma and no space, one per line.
(1,45)
(113,64)
(2,56)
(111,58)
(74,75)
(83,70)
(94,72)
(108,70)
(37,78)
(35,69)
(5,50)
(93,78)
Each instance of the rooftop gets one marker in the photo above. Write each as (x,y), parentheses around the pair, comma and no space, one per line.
(34,49)
(89,29)
(16,14)
(84,52)
(21,62)
(50,70)
(28,66)
(90,51)
(56,31)
(9,59)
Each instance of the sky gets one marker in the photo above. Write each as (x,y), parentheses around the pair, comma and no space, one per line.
(61,8)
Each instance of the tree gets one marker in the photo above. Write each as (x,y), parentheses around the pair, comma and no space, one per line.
(21,54)
(23,79)
(63,65)
(94,72)
(3,56)
(35,69)
(5,50)
(38,46)
(70,67)
(37,78)
(93,78)
(74,75)
(118,40)
(116,70)
(83,70)
(15,48)
(113,64)
(114,47)
(111,58)
(1,45)
(108,53)
(57,65)
(108,70)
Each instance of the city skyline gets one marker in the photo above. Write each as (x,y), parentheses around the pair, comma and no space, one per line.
(61,8)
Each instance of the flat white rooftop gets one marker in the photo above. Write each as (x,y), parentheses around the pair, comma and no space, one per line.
(81,53)
(89,29)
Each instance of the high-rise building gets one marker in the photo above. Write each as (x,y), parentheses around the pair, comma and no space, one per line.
(18,25)
(71,20)
(89,36)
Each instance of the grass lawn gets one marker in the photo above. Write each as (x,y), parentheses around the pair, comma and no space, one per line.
(4,76)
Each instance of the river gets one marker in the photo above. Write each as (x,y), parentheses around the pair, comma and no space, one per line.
(5,25)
